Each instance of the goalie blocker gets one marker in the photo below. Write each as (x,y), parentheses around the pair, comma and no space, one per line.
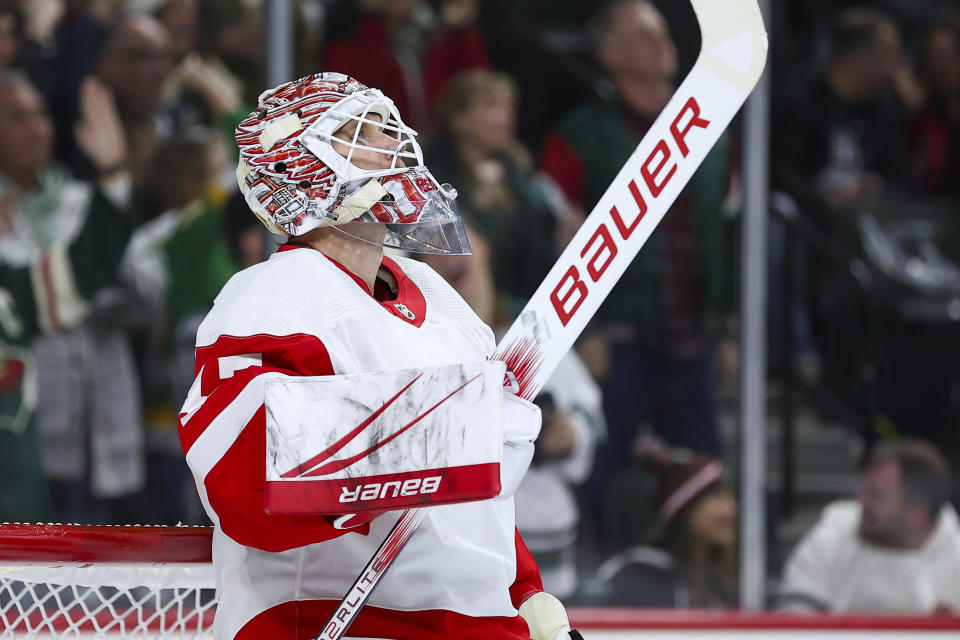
(391,440)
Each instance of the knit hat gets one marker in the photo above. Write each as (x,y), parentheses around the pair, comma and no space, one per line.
(681,485)
(682,477)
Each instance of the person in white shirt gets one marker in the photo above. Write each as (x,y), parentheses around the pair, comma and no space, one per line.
(896,548)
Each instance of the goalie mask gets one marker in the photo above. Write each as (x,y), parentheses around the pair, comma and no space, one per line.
(295,179)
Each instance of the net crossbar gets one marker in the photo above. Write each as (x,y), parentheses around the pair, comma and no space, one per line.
(73,581)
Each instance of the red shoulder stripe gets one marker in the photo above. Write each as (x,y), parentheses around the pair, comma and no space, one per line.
(227,365)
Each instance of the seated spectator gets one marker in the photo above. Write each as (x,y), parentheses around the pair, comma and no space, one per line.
(896,548)
(690,560)
(838,132)
(670,315)
(547,514)
(405,49)
(476,150)
(697,524)
(934,128)
(76,233)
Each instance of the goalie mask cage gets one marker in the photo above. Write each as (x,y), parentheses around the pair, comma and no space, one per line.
(77,581)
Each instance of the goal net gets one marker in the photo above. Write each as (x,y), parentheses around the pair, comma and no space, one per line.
(74,581)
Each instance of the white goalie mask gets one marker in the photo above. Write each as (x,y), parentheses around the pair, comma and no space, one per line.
(295,180)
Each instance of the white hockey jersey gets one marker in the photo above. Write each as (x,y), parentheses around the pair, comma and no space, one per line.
(463,573)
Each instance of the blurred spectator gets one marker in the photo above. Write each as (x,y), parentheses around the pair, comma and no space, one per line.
(85,373)
(244,233)
(180,257)
(24,313)
(27,40)
(838,132)
(199,90)
(471,276)
(177,263)
(546,508)
(11,34)
(79,38)
(134,64)
(789,315)
(934,127)
(233,30)
(692,560)
(547,513)
(477,151)
(408,50)
(838,138)
(897,548)
(181,19)
(697,524)
(666,314)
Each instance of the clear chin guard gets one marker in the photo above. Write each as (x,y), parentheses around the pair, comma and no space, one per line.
(438,228)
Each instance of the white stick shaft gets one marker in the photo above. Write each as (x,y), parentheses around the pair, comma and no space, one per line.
(733,54)
(730,63)
(365,583)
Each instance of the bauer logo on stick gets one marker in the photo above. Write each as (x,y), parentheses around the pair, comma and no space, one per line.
(604,244)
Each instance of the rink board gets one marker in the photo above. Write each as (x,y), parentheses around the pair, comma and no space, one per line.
(643,624)
(766,634)
(699,634)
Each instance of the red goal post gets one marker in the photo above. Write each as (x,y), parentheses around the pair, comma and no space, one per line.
(41,544)
(78,581)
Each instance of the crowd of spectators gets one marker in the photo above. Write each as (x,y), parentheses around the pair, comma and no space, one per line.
(120,221)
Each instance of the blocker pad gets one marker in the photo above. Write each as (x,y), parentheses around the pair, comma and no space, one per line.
(386,440)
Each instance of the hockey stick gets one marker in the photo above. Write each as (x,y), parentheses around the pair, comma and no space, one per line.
(732,56)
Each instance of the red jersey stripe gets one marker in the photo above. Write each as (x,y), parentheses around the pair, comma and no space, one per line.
(305,619)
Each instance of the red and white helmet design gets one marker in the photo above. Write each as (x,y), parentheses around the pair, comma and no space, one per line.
(295,180)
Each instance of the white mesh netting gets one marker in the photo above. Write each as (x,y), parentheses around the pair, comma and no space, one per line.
(31,609)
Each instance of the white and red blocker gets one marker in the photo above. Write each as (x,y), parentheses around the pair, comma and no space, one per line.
(384,440)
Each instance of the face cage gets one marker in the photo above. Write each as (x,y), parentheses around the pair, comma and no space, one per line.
(318,139)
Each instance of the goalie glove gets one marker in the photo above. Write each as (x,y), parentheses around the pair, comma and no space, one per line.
(546,618)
